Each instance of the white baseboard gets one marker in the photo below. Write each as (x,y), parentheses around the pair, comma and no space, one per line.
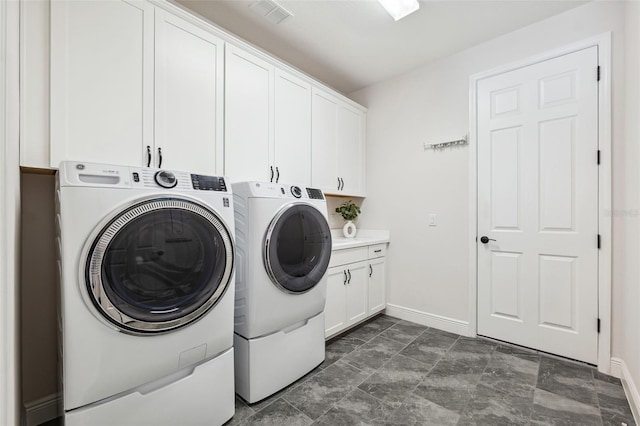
(42,410)
(630,387)
(430,320)
(615,368)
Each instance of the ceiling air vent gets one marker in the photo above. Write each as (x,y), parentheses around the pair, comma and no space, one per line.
(271,11)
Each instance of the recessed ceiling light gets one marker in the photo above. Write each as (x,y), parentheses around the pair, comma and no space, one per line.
(398,9)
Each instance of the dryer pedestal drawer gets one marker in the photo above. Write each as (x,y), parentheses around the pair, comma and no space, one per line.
(265,365)
(148,406)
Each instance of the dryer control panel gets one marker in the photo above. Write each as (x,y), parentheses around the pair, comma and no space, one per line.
(277,190)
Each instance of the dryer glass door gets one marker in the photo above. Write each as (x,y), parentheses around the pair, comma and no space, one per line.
(159,265)
(297,248)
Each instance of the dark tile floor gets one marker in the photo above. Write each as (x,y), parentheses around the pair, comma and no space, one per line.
(393,372)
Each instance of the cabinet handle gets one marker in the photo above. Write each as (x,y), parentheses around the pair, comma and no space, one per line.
(338,184)
(370,271)
(349,280)
(159,157)
(345,278)
(271,167)
(377,251)
(342,189)
(148,156)
(277,175)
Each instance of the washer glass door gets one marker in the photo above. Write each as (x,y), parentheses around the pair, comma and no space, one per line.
(297,248)
(159,265)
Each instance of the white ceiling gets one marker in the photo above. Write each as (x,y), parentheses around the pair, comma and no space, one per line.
(350,44)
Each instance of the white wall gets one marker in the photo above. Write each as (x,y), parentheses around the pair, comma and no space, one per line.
(428,266)
(626,290)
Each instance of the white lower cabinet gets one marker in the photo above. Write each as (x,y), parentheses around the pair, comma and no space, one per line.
(355,287)
(335,308)
(377,290)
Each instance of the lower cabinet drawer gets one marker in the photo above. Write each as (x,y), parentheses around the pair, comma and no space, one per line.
(342,257)
(378,250)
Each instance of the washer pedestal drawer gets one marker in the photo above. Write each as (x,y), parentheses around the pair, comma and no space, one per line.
(265,365)
(210,400)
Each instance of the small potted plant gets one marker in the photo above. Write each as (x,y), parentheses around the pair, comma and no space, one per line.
(349,211)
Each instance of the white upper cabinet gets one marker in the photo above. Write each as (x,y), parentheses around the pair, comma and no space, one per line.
(101,81)
(324,143)
(292,128)
(337,145)
(267,121)
(248,116)
(133,84)
(351,150)
(145,83)
(189,97)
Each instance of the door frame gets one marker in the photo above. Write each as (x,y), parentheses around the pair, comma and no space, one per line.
(603,42)
(11,401)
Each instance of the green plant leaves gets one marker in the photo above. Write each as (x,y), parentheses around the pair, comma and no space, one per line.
(348,210)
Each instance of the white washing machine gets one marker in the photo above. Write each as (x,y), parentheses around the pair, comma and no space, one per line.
(146,261)
(282,253)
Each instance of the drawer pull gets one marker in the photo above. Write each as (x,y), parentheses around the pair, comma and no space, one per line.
(377,251)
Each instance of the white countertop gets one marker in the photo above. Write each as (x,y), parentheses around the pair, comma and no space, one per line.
(364,237)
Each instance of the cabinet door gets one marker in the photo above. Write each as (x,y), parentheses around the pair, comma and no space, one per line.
(335,309)
(189,95)
(292,129)
(351,150)
(101,81)
(356,291)
(248,115)
(377,285)
(324,122)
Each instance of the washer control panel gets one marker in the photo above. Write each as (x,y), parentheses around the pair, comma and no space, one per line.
(208,183)
(315,194)
(165,179)
(296,191)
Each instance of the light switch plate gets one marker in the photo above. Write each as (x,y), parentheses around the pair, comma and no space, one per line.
(432,219)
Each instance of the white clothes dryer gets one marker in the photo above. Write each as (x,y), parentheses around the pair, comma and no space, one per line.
(282,253)
(146,260)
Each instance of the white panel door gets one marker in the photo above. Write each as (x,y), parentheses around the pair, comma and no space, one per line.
(351,150)
(292,128)
(248,116)
(357,280)
(101,81)
(538,199)
(189,96)
(324,148)
(377,286)
(335,308)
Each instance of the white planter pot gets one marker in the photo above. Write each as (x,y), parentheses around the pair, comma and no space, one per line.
(349,230)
